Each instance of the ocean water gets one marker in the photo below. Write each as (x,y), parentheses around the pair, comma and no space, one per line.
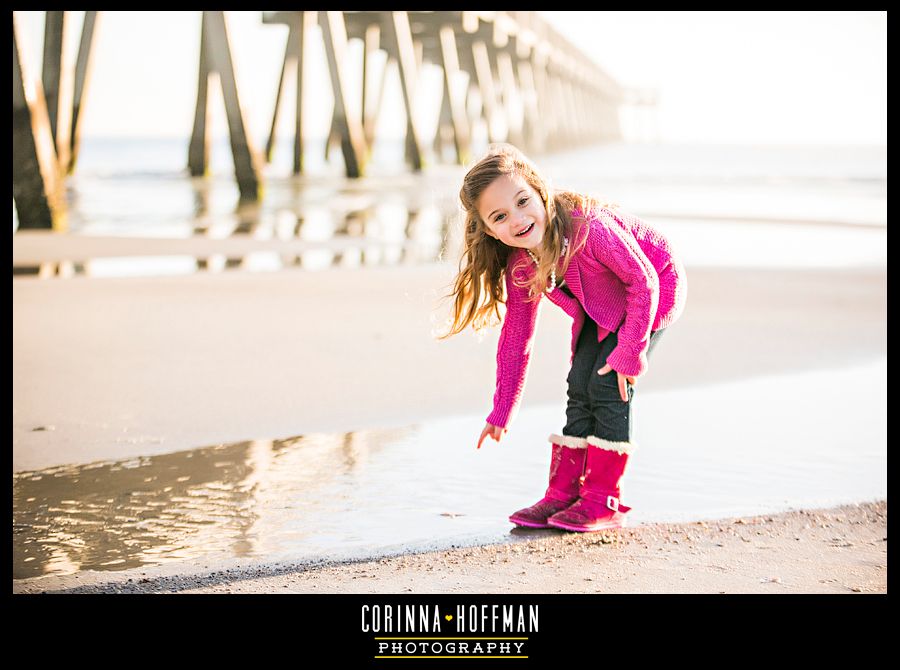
(140,188)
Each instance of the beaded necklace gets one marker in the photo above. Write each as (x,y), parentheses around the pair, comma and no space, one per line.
(553,269)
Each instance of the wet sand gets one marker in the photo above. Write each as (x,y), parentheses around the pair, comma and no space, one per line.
(88,384)
(837,550)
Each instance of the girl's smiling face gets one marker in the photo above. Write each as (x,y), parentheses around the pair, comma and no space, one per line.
(513,212)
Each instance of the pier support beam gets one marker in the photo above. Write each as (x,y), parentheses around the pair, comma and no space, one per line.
(511,92)
(215,56)
(290,58)
(37,180)
(485,78)
(372,108)
(298,29)
(454,102)
(56,77)
(347,120)
(532,128)
(399,43)
(82,75)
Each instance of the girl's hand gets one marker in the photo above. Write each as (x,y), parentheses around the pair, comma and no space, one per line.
(623,390)
(495,432)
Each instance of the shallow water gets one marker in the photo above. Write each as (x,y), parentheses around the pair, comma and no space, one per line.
(700,455)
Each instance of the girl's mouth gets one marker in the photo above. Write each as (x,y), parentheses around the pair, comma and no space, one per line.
(526,231)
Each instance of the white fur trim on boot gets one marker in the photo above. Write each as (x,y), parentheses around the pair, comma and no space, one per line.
(609,445)
(569,441)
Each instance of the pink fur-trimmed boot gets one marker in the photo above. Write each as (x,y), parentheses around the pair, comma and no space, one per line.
(598,506)
(566,468)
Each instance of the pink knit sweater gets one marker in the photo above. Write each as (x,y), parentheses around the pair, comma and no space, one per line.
(626,278)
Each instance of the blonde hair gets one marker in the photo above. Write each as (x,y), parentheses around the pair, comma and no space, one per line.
(479,288)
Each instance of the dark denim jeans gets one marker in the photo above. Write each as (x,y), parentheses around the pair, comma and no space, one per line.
(595,406)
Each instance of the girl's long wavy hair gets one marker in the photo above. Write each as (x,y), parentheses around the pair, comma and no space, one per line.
(479,288)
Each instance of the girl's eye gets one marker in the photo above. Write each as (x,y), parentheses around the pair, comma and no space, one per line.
(498,218)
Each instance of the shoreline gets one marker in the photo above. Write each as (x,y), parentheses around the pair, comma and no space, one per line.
(67,410)
(841,549)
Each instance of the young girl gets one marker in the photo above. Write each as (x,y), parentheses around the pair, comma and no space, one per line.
(612,273)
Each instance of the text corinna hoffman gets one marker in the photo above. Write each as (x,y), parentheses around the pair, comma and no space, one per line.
(460,619)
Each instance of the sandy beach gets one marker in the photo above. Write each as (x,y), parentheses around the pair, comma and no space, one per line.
(838,550)
(89,387)
(304,339)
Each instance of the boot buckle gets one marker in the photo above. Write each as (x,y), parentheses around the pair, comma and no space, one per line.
(613,503)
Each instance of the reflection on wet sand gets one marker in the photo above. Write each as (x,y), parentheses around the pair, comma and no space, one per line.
(300,226)
(239,500)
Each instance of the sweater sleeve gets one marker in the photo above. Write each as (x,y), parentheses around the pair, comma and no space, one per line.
(513,352)
(618,250)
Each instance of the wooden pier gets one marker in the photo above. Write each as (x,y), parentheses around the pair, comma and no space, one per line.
(531,87)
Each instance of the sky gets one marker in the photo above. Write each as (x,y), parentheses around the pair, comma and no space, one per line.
(720,77)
